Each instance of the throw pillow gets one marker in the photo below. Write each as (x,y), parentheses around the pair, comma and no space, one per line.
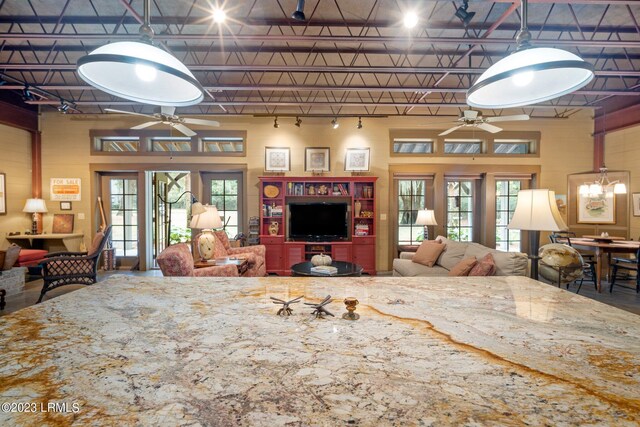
(486,266)
(11,256)
(463,267)
(428,253)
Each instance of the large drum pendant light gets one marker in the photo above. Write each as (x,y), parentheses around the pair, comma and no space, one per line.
(529,75)
(141,72)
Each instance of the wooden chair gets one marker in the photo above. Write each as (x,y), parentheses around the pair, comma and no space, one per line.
(629,265)
(73,268)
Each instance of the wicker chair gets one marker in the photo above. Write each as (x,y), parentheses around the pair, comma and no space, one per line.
(73,268)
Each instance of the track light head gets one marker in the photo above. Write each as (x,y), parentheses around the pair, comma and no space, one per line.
(298,15)
(275,123)
(27,95)
(359,126)
(335,124)
(463,15)
(63,107)
(298,121)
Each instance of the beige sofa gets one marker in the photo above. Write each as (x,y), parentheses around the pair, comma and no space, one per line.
(507,263)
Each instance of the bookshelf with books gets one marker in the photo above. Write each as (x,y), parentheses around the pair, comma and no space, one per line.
(358,193)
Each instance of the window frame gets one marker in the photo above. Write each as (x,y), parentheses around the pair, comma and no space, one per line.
(425,197)
(473,213)
(509,212)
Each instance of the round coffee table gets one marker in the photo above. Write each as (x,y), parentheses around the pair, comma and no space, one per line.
(345,269)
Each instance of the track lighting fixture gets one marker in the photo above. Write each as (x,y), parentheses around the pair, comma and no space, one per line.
(275,123)
(63,107)
(218,15)
(335,124)
(463,15)
(410,19)
(27,95)
(298,121)
(359,126)
(298,15)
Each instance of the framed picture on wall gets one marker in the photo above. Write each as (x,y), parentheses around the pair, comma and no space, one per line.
(3,194)
(276,159)
(316,159)
(357,160)
(62,224)
(597,209)
(65,206)
(635,198)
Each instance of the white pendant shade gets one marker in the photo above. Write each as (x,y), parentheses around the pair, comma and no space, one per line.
(35,206)
(140,72)
(529,76)
(537,210)
(210,219)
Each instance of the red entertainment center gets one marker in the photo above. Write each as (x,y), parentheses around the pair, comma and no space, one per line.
(283,199)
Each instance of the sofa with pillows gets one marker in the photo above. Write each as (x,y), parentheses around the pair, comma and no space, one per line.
(444,257)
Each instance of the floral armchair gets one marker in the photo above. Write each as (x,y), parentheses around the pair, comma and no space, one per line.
(176,260)
(255,254)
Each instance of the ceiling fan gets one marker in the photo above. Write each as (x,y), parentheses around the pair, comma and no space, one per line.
(475,119)
(167,116)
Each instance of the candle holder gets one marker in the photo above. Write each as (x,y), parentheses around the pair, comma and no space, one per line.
(351,304)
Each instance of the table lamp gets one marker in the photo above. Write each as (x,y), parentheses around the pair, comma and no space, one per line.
(536,210)
(35,206)
(426,217)
(207,222)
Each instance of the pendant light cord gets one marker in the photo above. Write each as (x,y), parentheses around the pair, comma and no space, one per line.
(146,32)
(524,36)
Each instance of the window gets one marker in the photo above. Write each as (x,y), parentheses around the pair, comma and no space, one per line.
(413,146)
(124,216)
(116,144)
(460,210)
(506,196)
(411,198)
(462,146)
(226,196)
(171,144)
(223,145)
(512,146)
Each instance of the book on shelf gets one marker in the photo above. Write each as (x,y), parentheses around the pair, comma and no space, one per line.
(327,270)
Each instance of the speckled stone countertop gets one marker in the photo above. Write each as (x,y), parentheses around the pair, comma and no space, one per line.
(426,351)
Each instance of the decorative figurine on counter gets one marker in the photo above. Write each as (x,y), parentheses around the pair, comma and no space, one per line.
(319,310)
(285,310)
(351,314)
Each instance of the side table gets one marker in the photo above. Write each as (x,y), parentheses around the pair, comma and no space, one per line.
(241,263)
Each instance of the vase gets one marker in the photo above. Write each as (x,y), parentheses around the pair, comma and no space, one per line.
(357,206)
(274,227)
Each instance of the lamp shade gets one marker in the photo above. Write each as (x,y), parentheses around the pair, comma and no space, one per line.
(197,208)
(529,76)
(140,72)
(426,217)
(537,210)
(35,206)
(210,219)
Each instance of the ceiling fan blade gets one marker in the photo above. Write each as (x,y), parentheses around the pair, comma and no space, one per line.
(201,122)
(513,118)
(488,127)
(182,128)
(448,131)
(110,110)
(470,114)
(167,111)
(145,125)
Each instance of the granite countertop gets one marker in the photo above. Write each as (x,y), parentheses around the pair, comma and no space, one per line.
(426,351)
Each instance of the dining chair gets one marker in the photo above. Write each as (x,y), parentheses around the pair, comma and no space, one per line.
(630,265)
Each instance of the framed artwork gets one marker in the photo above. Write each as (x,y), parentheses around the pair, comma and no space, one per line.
(357,160)
(316,159)
(65,206)
(3,194)
(62,224)
(597,210)
(276,159)
(635,198)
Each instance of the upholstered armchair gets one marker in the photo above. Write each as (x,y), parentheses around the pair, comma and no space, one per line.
(176,260)
(73,268)
(255,255)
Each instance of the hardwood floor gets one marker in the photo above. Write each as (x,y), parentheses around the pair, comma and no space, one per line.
(623,297)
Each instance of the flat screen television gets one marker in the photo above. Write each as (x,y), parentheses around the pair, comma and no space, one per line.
(320,222)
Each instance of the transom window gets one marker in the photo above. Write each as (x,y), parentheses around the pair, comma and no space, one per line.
(171,144)
(462,146)
(460,210)
(506,197)
(411,198)
(222,145)
(413,145)
(118,144)
(511,146)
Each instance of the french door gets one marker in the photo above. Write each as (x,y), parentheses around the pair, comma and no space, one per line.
(120,202)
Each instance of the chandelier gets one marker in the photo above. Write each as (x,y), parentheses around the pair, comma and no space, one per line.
(602,185)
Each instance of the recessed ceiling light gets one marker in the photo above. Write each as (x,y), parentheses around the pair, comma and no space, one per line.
(218,15)
(410,19)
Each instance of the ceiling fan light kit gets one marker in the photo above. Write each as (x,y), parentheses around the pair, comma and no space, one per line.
(141,72)
(529,75)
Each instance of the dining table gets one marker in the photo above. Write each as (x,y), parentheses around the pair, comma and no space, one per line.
(601,247)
